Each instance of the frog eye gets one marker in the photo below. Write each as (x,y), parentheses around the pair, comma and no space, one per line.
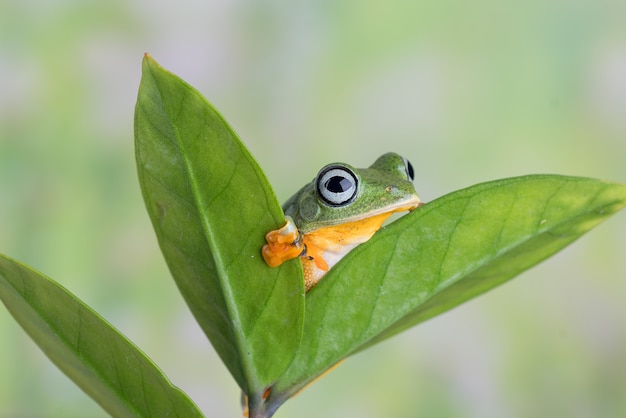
(408,167)
(337,185)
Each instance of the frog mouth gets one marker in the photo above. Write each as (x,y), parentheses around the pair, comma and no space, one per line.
(410,204)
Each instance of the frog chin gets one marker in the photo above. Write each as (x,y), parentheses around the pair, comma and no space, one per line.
(333,242)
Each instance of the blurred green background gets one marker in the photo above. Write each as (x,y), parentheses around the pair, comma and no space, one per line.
(468,91)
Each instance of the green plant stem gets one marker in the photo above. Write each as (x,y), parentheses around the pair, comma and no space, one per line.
(265,408)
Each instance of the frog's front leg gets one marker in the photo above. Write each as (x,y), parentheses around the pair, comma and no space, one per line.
(283,244)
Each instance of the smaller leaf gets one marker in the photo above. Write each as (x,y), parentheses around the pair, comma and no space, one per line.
(100,360)
(211,206)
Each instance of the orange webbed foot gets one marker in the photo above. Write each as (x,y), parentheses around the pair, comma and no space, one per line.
(282,244)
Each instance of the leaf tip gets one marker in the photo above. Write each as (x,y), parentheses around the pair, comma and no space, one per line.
(147,58)
(149,62)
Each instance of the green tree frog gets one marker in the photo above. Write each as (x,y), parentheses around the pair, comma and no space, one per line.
(340,209)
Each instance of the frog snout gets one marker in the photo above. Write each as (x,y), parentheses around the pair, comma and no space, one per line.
(418,205)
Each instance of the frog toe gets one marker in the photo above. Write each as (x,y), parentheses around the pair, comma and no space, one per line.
(282,244)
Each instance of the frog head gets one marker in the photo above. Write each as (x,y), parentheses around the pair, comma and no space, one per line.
(342,194)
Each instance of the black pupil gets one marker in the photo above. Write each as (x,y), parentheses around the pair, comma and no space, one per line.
(409,168)
(338,184)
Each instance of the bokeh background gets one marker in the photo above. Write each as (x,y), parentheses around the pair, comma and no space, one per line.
(468,91)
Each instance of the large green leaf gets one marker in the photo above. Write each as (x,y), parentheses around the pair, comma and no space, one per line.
(211,206)
(439,256)
(86,348)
